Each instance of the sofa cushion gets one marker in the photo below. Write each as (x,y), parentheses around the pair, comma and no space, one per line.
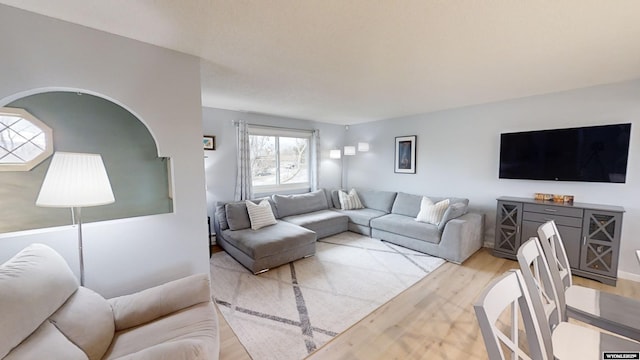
(454,211)
(86,307)
(377,200)
(184,349)
(324,222)
(47,342)
(349,201)
(270,240)
(288,205)
(221,216)
(35,283)
(409,204)
(187,334)
(260,215)
(238,216)
(361,216)
(432,213)
(335,199)
(407,226)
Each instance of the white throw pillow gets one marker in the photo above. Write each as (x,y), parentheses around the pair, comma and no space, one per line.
(260,215)
(432,213)
(349,201)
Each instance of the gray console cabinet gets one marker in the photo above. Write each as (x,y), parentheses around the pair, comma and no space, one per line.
(590,232)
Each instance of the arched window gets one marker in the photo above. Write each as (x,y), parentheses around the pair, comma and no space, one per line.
(25,141)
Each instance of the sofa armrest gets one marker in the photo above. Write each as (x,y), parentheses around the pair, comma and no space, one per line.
(150,304)
(462,237)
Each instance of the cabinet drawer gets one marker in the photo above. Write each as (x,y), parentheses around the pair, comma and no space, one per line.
(555,210)
(560,220)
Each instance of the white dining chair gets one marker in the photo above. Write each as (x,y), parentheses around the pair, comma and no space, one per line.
(567,340)
(532,262)
(505,341)
(615,313)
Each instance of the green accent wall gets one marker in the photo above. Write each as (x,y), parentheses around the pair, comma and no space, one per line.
(87,123)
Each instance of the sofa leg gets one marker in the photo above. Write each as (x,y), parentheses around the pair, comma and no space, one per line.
(260,272)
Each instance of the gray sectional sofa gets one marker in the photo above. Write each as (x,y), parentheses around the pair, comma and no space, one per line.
(302,219)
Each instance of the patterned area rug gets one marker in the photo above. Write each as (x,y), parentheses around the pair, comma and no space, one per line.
(289,311)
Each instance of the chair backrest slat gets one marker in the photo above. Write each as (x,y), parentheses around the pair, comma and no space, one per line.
(509,292)
(556,256)
(542,290)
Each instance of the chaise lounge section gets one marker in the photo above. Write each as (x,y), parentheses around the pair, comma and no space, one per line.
(300,221)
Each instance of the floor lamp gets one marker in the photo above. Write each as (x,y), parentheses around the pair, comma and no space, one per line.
(75,181)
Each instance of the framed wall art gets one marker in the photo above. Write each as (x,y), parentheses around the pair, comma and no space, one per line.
(405,159)
(209,142)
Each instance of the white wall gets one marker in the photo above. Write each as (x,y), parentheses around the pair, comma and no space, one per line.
(160,87)
(220,165)
(457,154)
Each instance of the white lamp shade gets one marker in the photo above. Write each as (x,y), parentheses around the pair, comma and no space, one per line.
(75,180)
(363,146)
(349,150)
(334,154)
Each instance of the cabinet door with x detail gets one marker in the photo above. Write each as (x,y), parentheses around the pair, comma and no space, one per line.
(600,242)
(509,221)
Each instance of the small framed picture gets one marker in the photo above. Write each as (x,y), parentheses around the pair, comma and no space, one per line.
(209,142)
(405,159)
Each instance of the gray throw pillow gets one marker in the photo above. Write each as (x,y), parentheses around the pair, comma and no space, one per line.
(221,216)
(237,216)
(454,210)
(335,199)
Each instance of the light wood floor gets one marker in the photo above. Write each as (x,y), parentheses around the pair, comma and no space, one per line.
(433,319)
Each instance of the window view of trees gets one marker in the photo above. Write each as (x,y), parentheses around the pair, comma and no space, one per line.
(279,160)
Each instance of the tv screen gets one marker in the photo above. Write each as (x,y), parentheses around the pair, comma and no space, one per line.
(594,154)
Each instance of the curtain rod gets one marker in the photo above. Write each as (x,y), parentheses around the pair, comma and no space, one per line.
(236,122)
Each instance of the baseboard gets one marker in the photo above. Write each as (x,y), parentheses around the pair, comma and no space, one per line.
(628,276)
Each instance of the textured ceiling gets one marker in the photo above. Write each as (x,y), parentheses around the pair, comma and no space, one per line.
(352,61)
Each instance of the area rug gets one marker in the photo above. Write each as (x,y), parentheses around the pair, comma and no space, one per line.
(290,311)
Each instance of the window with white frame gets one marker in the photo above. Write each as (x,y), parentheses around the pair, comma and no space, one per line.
(280,159)
(25,141)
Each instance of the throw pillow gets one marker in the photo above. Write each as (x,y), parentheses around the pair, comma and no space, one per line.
(221,216)
(350,201)
(455,210)
(237,216)
(432,213)
(260,215)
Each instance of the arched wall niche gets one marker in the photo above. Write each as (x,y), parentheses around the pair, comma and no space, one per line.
(83,121)
(26,93)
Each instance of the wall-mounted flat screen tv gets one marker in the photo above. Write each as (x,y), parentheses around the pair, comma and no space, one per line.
(593,154)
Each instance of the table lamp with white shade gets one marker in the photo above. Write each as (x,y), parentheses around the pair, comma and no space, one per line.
(76,180)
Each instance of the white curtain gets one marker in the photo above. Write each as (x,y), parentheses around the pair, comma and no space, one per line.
(315,159)
(243,175)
